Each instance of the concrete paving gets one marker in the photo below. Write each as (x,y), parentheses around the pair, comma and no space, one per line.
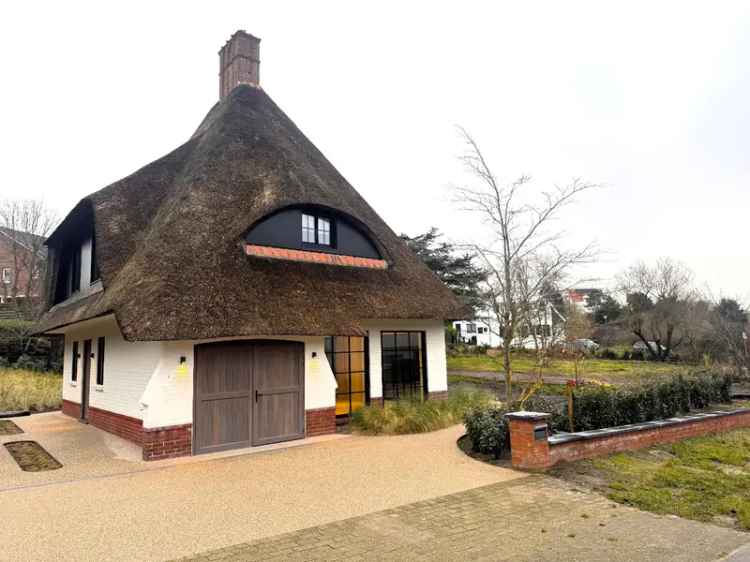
(87,452)
(110,506)
(536,519)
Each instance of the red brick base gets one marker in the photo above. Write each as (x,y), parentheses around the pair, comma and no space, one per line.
(440,395)
(118,424)
(72,409)
(167,442)
(320,422)
(157,442)
(377,402)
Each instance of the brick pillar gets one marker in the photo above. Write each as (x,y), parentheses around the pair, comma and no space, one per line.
(529,446)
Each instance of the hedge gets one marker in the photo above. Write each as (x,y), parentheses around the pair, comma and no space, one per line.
(596,407)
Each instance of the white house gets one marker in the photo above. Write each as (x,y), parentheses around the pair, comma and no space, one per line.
(238,291)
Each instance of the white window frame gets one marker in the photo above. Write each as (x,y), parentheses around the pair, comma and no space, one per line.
(7,276)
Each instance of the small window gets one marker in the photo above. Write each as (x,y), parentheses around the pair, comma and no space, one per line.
(74,363)
(100,361)
(7,276)
(316,230)
(308,229)
(324,231)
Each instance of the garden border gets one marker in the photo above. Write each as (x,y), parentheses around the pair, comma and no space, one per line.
(532,447)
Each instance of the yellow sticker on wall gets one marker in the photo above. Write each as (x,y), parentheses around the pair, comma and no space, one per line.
(182,370)
(314,365)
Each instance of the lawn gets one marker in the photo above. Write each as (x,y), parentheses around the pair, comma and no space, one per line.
(705,478)
(607,370)
(29,390)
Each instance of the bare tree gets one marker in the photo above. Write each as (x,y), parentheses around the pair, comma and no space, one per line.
(520,225)
(661,301)
(25,224)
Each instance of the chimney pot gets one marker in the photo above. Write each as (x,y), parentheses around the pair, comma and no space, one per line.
(239,62)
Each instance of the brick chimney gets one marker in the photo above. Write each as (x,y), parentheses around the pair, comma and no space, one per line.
(239,62)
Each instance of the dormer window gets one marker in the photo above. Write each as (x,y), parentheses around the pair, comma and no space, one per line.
(316,230)
(310,233)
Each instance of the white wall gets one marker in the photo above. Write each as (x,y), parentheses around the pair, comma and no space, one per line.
(168,398)
(128,366)
(144,380)
(437,370)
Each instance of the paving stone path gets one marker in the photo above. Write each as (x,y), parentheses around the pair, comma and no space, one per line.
(536,518)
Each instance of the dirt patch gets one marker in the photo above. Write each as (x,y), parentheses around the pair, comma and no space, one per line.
(31,456)
(7,427)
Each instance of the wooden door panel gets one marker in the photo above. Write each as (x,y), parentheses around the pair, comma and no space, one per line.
(222,409)
(278,382)
(225,423)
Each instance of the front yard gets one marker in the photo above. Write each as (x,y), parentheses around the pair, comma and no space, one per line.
(706,478)
(29,390)
(606,370)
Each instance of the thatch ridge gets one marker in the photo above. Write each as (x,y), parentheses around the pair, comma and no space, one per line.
(169,240)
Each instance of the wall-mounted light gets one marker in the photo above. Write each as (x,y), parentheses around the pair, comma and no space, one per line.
(314,354)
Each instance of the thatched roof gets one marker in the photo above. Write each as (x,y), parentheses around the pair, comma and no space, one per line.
(171,252)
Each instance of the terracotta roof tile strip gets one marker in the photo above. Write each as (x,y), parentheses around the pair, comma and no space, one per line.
(314,257)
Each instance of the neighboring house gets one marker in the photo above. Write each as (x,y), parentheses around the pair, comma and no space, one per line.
(484,329)
(583,298)
(22,262)
(239,291)
(479,331)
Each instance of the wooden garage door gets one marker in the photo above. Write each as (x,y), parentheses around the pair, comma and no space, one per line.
(247,392)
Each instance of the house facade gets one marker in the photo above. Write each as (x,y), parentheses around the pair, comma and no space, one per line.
(238,291)
(22,263)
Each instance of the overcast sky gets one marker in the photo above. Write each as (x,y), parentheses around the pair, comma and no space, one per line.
(650,99)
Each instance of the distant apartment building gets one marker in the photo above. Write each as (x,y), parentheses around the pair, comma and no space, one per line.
(22,263)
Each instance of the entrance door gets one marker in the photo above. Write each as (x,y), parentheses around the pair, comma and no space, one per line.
(278,384)
(221,416)
(85,380)
(247,392)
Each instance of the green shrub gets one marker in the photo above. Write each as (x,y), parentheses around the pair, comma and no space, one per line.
(413,416)
(596,407)
(557,408)
(28,363)
(608,354)
(487,429)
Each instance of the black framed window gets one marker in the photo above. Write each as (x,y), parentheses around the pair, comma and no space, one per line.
(75,270)
(404,365)
(74,363)
(100,361)
(317,230)
(94,267)
(347,356)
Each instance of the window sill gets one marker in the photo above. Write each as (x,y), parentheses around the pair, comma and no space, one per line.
(99,388)
(73,384)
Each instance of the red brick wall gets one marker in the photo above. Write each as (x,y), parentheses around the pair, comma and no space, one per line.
(526,451)
(530,454)
(320,421)
(576,450)
(72,409)
(167,442)
(122,426)
(441,395)
(22,280)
